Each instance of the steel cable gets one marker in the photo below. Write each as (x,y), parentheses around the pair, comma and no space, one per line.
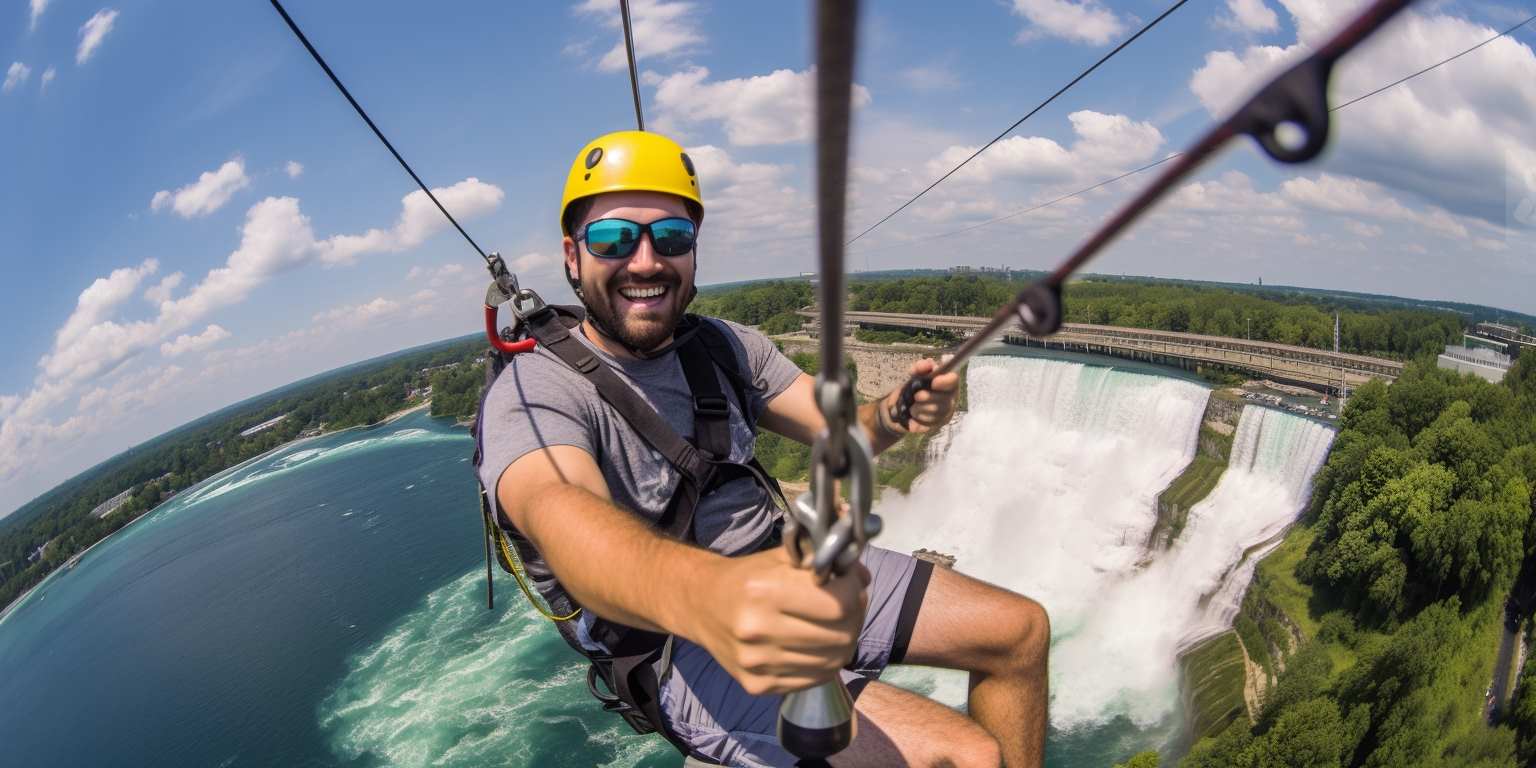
(1020,121)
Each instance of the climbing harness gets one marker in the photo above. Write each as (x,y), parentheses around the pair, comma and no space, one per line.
(631,671)
(1288,117)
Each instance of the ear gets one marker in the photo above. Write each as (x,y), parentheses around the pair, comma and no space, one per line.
(572,258)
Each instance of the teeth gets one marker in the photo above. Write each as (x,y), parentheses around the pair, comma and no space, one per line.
(642,293)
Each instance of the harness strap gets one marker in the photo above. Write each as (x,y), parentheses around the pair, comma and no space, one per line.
(548,329)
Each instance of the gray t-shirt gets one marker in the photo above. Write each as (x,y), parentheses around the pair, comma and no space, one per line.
(538,402)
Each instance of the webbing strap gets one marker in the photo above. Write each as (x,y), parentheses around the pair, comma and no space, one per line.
(711,411)
(550,332)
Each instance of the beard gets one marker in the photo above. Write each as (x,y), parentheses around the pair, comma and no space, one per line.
(641,326)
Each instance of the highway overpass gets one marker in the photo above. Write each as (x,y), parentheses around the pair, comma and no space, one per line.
(1314,368)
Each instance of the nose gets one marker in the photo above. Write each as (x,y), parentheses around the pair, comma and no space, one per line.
(644,262)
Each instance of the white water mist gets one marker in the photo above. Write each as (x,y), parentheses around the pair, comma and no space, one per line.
(1048,487)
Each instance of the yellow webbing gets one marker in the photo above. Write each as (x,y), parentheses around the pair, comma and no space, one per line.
(511,563)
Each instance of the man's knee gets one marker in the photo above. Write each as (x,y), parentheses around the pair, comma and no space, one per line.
(979,751)
(1023,636)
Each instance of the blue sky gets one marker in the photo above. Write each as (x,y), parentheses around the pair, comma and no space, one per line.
(189,214)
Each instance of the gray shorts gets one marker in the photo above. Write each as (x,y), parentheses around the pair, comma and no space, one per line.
(708,710)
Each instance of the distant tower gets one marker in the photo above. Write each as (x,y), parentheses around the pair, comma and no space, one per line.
(1261,280)
(1335,333)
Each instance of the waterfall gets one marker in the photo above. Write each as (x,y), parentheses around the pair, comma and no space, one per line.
(1048,488)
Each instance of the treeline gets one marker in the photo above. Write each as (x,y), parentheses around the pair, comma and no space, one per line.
(456,391)
(1421,518)
(770,305)
(1286,318)
(61,519)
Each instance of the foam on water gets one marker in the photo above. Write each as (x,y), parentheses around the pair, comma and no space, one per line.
(1076,515)
(452,684)
(299,455)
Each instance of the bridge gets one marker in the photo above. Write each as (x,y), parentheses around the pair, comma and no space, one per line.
(1305,366)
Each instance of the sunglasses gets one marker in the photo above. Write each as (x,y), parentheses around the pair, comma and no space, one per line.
(617,238)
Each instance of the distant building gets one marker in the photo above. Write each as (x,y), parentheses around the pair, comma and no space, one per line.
(265,425)
(110,505)
(1486,363)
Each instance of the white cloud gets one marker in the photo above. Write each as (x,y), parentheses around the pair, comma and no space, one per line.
(1356,197)
(161,291)
(276,237)
(48,75)
(293,168)
(1250,16)
(660,29)
(933,78)
(1080,22)
(37,8)
(1441,137)
(1363,229)
(419,220)
(358,314)
(1105,144)
(208,194)
(15,76)
(185,343)
(92,308)
(93,32)
(776,108)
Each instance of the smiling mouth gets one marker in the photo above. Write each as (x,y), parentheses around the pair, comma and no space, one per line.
(636,293)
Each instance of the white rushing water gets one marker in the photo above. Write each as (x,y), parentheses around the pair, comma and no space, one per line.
(1048,486)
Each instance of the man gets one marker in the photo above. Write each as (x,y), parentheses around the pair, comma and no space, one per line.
(586,493)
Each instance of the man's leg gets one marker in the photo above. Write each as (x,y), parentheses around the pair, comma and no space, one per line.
(1002,639)
(901,728)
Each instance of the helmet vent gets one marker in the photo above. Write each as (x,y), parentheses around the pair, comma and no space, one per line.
(596,156)
(688,164)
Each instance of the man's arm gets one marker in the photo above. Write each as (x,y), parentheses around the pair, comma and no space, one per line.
(768,623)
(794,413)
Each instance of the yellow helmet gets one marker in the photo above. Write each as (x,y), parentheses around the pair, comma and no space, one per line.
(631,161)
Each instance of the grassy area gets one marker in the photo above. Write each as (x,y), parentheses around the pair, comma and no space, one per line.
(1192,485)
(1197,482)
(1277,573)
(1213,683)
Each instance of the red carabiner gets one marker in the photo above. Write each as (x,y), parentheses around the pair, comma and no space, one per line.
(494,335)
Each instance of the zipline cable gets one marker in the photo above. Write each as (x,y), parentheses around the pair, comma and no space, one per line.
(819,533)
(1020,121)
(1155,163)
(337,81)
(629,51)
(1289,118)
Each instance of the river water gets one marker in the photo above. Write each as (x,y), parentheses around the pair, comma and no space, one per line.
(324,604)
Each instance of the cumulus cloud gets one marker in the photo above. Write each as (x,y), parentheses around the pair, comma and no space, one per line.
(48,75)
(1356,197)
(359,314)
(776,108)
(275,238)
(660,29)
(185,343)
(15,77)
(293,168)
(95,304)
(93,32)
(419,220)
(1086,21)
(1105,144)
(1449,137)
(1250,16)
(161,291)
(36,12)
(208,194)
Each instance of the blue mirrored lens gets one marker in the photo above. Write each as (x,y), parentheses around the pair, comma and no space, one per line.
(672,237)
(612,238)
